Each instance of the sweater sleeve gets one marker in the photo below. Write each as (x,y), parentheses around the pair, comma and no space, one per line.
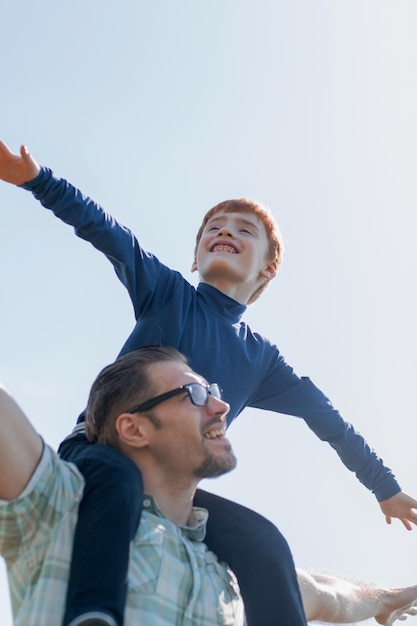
(285,392)
(139,271)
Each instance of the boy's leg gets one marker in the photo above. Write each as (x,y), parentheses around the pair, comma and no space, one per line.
(261,559)
(108,518)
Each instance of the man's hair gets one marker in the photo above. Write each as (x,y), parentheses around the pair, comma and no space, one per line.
(246,205)
(119,387)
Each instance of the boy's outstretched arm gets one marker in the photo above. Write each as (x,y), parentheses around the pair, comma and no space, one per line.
(17,169)
(402,506)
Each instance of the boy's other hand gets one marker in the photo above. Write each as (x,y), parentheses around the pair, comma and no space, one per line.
(17,169)
(401,506)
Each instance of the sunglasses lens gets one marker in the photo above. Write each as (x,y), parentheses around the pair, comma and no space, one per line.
(198,394)
(215,390)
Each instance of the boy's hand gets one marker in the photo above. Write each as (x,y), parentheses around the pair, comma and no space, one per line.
(401,506)
(17,169)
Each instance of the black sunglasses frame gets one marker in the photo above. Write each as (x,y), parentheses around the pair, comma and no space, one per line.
(152,402)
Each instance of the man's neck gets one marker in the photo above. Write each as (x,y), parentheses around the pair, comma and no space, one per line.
(174,500)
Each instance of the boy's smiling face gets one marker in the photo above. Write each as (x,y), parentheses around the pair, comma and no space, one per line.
(234,254)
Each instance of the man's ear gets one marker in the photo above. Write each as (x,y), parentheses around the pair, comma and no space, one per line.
(133,430)
(194,267)
(270,271)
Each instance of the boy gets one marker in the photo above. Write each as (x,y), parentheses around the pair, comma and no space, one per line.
(238,251)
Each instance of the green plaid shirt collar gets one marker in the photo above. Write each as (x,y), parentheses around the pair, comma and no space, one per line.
(195,530)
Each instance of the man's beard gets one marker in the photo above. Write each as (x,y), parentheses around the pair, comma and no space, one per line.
(214,466)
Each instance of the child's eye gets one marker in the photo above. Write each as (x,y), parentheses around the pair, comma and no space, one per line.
(245,230)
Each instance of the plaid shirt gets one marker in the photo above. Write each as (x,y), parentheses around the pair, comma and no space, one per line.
(173,578)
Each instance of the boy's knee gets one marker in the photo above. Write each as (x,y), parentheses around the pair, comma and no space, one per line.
(106,464)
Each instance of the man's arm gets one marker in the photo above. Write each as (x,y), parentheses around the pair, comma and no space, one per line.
(337,601)
(20,448)
(17,169)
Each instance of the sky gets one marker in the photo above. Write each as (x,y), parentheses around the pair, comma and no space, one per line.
(159,110)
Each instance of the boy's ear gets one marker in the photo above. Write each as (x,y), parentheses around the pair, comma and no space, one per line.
(194,267)
(133,430)
(269,271)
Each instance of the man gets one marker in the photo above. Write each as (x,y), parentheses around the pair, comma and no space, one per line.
(174,441)
(150,406)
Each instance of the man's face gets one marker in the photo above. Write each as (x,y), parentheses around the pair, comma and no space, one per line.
(233,246)
(190,441)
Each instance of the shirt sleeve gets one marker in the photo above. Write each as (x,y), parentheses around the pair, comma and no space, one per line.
(139,271)
(55,488)
(283,391)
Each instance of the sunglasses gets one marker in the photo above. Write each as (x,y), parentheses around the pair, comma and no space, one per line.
(197,392)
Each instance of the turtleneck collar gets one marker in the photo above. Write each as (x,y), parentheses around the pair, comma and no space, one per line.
(219,303)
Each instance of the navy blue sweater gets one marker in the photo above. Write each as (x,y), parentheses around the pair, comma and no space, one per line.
(205,325)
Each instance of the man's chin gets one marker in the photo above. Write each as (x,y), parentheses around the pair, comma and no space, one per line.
(213,466)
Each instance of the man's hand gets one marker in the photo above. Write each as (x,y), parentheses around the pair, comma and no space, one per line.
(17,169)
(401,506)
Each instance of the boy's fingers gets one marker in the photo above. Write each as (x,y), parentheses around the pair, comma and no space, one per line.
(24,153)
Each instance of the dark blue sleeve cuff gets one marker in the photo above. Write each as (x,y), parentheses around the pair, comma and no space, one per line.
(35,183)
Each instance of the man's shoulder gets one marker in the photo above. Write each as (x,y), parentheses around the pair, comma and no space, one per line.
(50,498)
(53,476)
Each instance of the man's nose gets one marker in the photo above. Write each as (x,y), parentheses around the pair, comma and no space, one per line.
(217,405)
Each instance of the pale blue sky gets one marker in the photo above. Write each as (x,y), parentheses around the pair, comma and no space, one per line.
(161,109)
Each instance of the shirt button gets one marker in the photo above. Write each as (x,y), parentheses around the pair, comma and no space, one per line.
(146,502)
